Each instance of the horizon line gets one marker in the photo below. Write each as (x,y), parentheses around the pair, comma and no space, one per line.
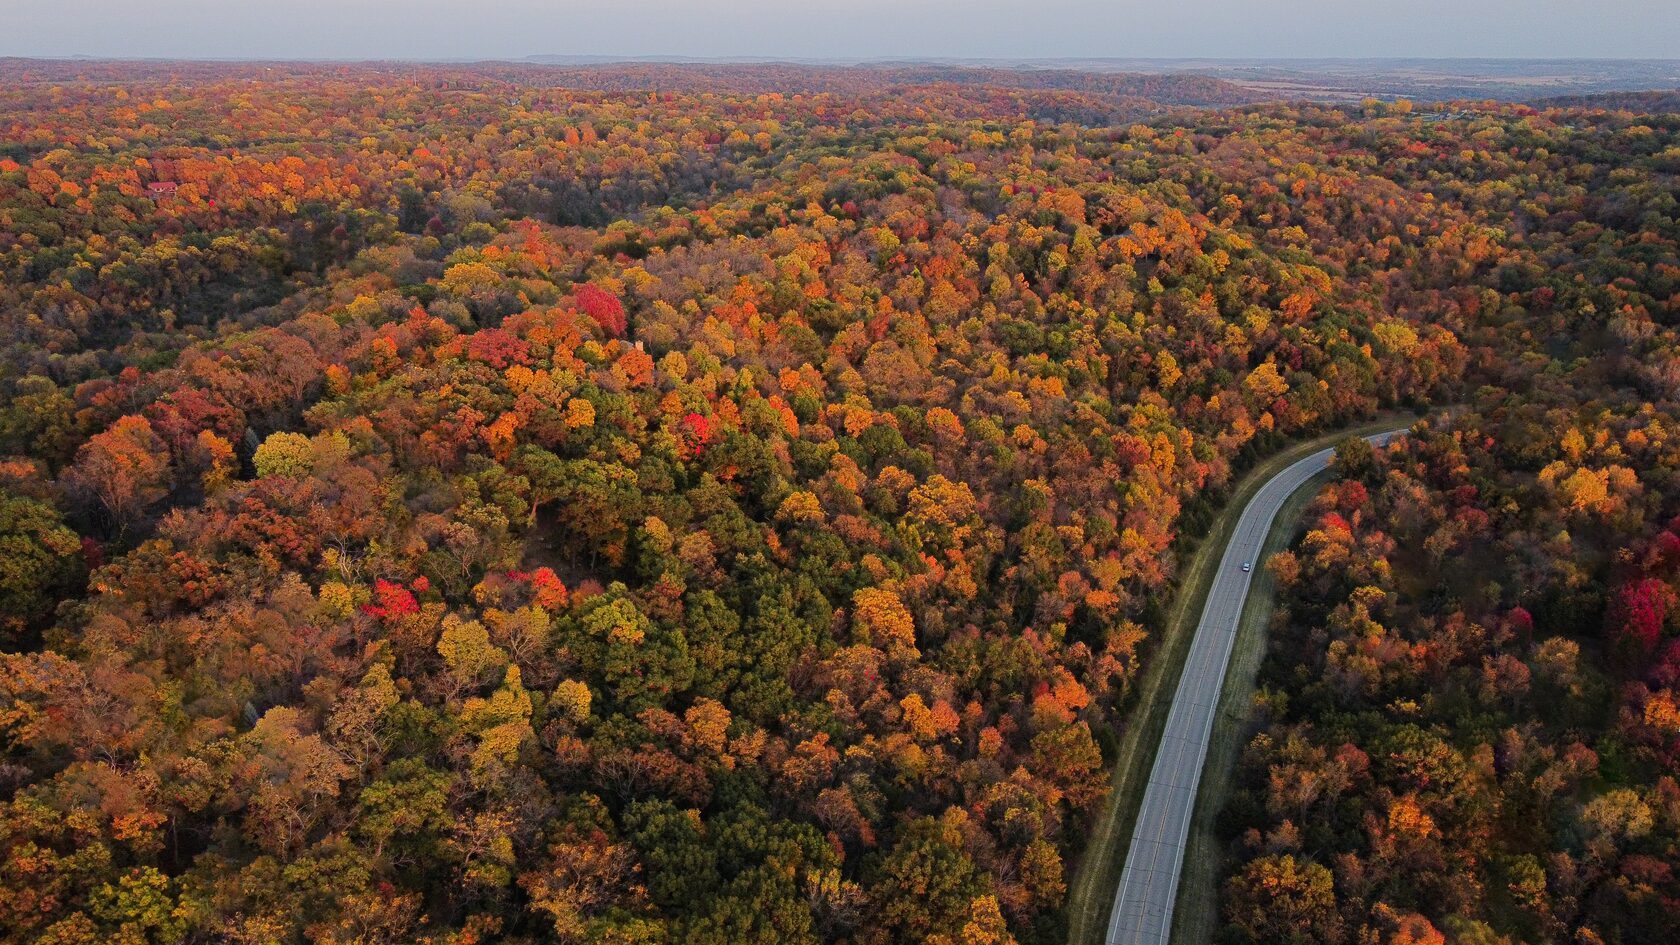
(609,59)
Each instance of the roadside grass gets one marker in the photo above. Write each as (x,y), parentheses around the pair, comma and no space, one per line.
(1091,895)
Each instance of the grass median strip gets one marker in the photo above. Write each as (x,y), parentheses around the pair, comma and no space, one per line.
(1092,894)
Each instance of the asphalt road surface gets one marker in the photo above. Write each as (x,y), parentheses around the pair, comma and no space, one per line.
(1143,905)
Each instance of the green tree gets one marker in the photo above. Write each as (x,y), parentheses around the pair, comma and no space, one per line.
(1355,458)
(39,559)
(926,885)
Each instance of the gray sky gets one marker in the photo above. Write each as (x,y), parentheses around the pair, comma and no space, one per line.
(435,29)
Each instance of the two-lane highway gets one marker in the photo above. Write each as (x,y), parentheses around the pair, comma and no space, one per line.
(1143,905)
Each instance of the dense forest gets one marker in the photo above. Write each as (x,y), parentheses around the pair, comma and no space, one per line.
(639,505)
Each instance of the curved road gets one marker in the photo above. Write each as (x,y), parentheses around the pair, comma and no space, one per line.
(1143,905)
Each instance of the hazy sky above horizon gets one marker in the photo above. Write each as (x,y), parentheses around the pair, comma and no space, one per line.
(436,29)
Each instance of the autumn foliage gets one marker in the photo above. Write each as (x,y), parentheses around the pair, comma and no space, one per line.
(719,505)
